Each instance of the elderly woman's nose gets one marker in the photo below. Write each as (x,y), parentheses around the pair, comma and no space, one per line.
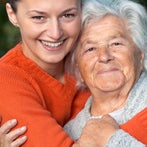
(104,54)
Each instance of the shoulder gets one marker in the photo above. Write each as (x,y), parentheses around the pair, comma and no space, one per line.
(137,126)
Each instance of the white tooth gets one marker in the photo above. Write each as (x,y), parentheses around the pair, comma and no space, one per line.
(52,44)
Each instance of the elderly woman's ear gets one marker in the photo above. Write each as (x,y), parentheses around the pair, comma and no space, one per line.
(79,76)
(142,59)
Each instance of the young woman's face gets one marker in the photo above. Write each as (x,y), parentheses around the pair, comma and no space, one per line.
(49,28)
(108,58)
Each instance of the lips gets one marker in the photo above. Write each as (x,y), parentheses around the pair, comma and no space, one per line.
(51,44)
(107,71)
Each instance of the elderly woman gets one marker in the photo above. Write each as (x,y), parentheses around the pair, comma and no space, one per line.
(110,62)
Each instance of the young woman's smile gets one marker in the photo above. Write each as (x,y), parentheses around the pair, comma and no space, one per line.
(49,29)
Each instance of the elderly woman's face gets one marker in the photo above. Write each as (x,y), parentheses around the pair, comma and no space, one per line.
(107,57)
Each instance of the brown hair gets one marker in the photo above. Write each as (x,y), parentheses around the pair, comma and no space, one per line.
(13,4)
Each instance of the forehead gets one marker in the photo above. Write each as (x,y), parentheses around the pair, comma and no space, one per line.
(48,5)
(108,26)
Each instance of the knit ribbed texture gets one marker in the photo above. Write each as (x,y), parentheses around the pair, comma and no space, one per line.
(120,139)
(37,100)
(133,119)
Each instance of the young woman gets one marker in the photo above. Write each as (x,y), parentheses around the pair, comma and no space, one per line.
(35,87)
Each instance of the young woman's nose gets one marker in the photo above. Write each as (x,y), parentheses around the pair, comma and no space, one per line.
(54,29)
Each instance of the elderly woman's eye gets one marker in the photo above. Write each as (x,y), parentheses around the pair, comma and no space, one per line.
(116,43)
(90,49)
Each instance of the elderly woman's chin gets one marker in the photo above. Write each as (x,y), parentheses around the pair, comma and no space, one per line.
(110,82)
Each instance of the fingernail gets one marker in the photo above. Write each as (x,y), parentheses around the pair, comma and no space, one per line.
(23,128)
(13,121)
(23,139)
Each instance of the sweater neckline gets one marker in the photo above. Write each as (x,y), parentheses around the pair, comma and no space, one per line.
(38,72)
(115,114)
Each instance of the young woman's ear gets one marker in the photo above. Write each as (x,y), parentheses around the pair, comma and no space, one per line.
(11,15)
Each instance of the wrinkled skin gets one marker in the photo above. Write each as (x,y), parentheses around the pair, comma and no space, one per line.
(94,133)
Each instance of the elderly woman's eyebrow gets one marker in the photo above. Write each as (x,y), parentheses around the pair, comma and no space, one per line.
(94,41)
(86,42)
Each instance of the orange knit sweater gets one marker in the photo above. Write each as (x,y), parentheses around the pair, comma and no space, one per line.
(37,100)
(137,126)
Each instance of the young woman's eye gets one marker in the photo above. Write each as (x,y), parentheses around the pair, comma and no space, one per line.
(69,15)
(38,17)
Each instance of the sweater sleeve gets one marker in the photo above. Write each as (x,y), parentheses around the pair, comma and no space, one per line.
(137,126)
(133,133)
(23,100)
(123,139)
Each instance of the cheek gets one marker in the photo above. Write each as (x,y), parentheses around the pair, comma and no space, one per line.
(73,29)
(31,29)
(124,59)
(83,68)
(86,70)
(30,32)
(131,65)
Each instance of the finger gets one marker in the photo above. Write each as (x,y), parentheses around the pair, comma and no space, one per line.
(18,142)
(15,133)
(6,127)
(110,121)
(108,117)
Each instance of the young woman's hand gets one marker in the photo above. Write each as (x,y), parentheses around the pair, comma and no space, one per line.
(10,138)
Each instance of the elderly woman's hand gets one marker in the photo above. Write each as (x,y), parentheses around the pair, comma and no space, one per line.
(9,138)
(97,132)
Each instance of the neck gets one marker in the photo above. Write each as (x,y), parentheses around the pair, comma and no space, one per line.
(56,71)
(105,104)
